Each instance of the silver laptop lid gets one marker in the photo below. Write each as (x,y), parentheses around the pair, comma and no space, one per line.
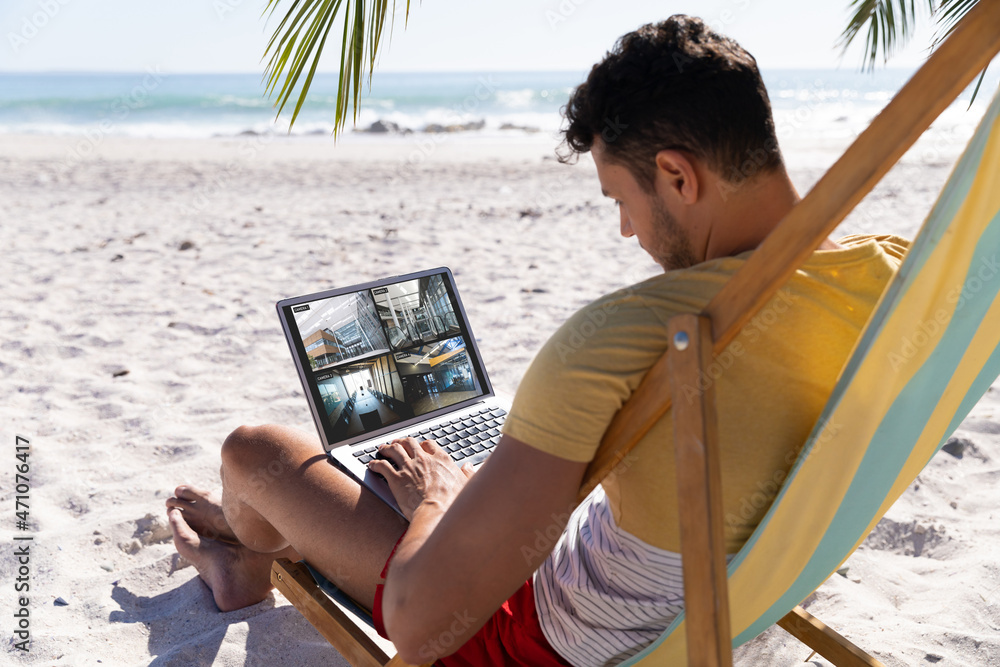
(381,356)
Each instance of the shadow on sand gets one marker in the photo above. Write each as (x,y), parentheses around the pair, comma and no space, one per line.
(185,628)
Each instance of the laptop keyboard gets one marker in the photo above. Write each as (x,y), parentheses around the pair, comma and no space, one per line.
(467,439)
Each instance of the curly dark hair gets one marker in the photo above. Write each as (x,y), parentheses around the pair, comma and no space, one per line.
(675,85)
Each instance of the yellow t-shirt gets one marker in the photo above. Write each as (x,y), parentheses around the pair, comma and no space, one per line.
(771,382)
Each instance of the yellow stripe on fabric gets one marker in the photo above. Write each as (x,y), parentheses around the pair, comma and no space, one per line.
(986,340)
(977,211)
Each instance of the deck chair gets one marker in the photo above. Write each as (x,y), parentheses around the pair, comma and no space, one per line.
(891,410)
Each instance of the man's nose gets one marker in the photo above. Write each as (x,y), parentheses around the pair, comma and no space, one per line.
(626,223)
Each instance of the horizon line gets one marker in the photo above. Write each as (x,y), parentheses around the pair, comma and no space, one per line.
(51,72)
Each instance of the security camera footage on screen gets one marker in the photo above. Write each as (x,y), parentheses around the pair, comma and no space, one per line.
(387,354)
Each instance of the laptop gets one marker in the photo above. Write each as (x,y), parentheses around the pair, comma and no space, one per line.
(389,359)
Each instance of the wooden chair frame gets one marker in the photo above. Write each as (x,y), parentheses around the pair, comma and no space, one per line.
(697,338)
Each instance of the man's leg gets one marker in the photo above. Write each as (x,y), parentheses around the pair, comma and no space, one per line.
(283,498)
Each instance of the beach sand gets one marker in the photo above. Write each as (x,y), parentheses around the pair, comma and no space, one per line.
(137,330)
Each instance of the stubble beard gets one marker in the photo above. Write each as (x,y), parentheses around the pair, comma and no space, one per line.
(673,249)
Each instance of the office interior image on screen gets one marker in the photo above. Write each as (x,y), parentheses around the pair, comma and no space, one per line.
(416,311)
(437,375)
(384,355)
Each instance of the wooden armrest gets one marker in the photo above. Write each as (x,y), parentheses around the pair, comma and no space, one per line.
(296,584)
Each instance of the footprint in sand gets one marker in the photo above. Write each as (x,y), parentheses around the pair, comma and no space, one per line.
(912,538)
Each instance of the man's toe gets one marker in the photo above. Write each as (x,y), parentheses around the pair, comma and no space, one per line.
(179,503)
(180,528)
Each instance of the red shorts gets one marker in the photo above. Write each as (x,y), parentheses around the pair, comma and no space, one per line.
(511,638)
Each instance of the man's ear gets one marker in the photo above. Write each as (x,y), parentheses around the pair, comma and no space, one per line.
(676,172)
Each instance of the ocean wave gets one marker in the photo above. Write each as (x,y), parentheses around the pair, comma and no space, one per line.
(236,101)
(819,104)
(518,99)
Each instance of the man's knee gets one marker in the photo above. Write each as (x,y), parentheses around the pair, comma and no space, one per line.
(254,447)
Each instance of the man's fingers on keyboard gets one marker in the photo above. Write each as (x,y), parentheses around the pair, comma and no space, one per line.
(382,467)
(393,454)
(430,446)
(407,444)
(397,449)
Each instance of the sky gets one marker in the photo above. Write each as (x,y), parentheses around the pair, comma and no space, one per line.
(442,35)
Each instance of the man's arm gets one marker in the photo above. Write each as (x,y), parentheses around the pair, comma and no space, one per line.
(463,556)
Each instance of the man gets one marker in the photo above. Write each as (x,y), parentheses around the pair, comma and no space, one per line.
(679,125)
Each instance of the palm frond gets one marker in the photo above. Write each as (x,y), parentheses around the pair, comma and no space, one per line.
(982,75)
(881,17)
(889,24)
(949,13)
(298,42)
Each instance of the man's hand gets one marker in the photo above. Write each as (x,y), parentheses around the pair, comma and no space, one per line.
(420,473)
(465,562)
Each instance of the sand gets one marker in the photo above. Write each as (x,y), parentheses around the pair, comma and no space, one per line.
(137,329)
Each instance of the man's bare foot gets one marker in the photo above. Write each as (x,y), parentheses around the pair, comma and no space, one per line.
(202,512)
(237,576)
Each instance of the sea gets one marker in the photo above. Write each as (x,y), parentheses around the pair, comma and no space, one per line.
(811,107)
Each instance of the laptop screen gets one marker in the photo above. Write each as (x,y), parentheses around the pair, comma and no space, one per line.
(385,354)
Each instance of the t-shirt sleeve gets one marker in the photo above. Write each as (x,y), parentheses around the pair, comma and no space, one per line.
(583,375)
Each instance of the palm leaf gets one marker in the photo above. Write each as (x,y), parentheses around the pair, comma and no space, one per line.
(889,23)
(949,13)
(297,44)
